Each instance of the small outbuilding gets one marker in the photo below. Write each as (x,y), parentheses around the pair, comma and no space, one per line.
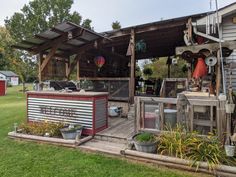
(10,77)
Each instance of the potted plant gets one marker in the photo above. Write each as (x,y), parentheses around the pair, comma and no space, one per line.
(145,142)
(71,131)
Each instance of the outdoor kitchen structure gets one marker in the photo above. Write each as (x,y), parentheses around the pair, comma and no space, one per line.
(105,62)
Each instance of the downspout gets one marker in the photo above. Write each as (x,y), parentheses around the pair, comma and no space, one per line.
(205,35)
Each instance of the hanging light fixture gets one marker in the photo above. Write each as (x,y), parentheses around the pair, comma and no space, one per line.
(99,61)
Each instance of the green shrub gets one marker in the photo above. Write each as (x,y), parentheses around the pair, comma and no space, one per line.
(40,129)
(190,145)
(175,142)
(145,137)
(207,149)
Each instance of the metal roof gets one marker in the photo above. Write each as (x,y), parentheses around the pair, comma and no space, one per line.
(8,73)
(161,38)
(72,37)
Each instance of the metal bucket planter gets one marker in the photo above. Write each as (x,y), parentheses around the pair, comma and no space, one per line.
(148,147)
(230,150)
(229,108)
(71,133)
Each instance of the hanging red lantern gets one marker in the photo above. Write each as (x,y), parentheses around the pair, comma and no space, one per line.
(99,61)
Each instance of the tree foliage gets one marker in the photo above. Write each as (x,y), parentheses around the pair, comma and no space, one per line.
(116,25)
(38,16)
(147,71)
(6,54)
(160,68)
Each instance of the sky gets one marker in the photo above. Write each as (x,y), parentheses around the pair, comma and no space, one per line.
(127,12)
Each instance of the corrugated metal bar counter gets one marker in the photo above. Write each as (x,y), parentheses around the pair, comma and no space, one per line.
(88,109)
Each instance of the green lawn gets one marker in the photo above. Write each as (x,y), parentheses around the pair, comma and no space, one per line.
(23,159)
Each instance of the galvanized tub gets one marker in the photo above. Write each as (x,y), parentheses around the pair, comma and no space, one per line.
(70,134)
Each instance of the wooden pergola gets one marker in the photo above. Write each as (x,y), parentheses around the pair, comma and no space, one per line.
(71,46)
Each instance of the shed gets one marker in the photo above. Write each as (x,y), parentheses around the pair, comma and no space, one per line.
(10,77)
(3,87)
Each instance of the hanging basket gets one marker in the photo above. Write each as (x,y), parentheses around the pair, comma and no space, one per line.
(229,108)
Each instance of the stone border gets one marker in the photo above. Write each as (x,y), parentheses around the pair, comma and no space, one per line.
(49,140)
(221,170)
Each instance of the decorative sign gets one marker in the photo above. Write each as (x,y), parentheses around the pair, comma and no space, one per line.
(65,111)
(51,110)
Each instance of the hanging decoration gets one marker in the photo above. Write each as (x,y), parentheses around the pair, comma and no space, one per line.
(141,46)
(200,69)
(99,61)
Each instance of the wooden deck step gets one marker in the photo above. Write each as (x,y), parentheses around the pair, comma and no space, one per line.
(103,146)
(119,130)
(110,138)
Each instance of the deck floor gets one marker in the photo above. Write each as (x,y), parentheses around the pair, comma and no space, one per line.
(119,128)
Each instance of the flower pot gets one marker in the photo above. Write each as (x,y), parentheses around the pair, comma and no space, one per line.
(68,133)
(229,108)
(229,150)
(149,147)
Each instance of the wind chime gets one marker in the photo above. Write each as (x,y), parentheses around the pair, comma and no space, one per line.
(99,61)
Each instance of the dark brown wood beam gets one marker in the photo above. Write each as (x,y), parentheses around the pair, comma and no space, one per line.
(148,28)
(113,54)
(49,57)
(74,63)
(132,67)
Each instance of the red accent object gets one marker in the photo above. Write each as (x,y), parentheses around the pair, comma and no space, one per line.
(99,61)
(200,69)
(3,87)
(200,40)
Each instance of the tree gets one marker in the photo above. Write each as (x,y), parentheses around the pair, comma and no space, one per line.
(36,17)
(160,68)
(116,25)
(138,72)
(87,24)
(6,54)
(147,71)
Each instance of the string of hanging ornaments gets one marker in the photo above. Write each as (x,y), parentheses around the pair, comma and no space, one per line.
(99,61)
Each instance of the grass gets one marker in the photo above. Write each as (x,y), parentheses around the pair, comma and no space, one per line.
(25,159)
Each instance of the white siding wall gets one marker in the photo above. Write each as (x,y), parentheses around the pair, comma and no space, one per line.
(2,76)
(229,34)
(230,59)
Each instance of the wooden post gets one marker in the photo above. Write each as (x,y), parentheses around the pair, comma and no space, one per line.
(168,70)
(68,69)
(78,70)
(40,61)
(132,67)
(218,76)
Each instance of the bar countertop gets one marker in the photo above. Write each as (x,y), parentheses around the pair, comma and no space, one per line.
(66,93)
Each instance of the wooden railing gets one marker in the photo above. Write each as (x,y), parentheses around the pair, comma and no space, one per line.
(187,115)
(118,88)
